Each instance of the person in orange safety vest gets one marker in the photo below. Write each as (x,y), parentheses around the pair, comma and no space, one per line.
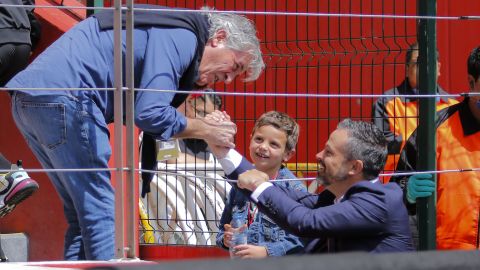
(458,148)
(398,116)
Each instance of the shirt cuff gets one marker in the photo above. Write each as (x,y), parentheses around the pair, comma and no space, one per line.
(231,161)
(259,190)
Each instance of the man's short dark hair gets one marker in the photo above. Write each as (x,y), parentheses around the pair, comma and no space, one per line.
(473,63)
(367,143)
(411,49)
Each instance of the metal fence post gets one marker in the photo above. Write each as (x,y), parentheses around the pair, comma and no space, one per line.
(426,139)
(118,129)
(131,198)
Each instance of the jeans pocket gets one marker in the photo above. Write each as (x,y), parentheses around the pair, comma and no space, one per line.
(47,122)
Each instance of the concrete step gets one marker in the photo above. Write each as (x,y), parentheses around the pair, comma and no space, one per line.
(15,246)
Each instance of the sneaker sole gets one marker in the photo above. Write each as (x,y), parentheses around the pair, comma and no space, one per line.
(26,190)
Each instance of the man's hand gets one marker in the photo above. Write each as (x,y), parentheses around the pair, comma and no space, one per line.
(221,135)
(217,116)
(251,179)
(222,119)
(251,251)
(420,185)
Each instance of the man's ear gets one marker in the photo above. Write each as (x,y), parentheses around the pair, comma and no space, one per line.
(471,82)
(357,167)
(219,38)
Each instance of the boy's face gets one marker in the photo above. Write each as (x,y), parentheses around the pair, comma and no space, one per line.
(268,149)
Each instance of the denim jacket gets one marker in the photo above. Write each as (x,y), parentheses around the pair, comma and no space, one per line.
(262,231)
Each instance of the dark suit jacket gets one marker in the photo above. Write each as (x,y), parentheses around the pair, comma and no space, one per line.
(370,217)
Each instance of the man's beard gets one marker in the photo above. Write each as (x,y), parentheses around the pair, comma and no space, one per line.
(325,180)
(322,181)
(321,178)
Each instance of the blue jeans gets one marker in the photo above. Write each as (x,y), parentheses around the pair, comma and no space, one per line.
(65,132)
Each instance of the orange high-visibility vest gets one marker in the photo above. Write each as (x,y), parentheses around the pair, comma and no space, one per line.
(458,193)
(398,118)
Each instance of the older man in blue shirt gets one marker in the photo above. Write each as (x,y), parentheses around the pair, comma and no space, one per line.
(68,128)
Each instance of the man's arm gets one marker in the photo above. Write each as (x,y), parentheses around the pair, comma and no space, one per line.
(362,214)
(381,119)
(253,182)
(153,111)
(221,134)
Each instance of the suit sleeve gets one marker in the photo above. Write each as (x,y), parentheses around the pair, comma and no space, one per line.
(362,214)
(380,119)
(244,166)
(308,199)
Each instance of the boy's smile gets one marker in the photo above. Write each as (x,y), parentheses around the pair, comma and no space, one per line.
(268,149)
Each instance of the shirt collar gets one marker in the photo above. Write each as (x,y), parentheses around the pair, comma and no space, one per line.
(405,89)
(470,125)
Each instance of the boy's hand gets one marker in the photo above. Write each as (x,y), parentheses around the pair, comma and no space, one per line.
(251,251)
(218,151)
(227,235)
(251,179)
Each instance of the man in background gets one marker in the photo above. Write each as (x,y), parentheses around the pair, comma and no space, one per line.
(458,148)
(397,117)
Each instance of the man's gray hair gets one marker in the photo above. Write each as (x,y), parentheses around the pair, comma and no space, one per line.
(367,143)
(241,36)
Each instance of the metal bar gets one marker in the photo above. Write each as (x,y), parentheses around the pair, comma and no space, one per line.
(132,197)
(118,126)
(426,140)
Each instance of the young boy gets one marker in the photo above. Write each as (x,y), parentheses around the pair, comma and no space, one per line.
(273,142)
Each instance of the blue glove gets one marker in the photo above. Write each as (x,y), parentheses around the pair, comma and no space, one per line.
(420,185)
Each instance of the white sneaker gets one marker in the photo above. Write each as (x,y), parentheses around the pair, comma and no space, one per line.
(14,188)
